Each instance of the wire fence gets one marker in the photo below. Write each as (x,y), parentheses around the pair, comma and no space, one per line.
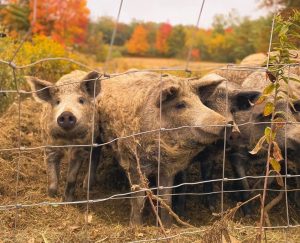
(159,131)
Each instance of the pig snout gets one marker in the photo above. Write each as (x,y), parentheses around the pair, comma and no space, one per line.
(66,120)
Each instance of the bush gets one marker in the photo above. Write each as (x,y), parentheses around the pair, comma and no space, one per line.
(38,48)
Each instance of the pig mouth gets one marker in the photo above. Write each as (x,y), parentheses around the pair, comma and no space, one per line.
(200,137)
(209,133)
(78,132)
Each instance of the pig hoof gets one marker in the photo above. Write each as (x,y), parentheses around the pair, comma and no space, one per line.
(210,203)
(52,192)
(168,223)
(68,198)
(136,221)
(247,210)
(212,208)
(92,184)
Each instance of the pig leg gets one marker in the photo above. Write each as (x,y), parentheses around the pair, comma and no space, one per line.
(53,157)
(207,167)
(137,203)
(179,200)
(238,162)
(96,152)
(77,157)
(297,193)
(166,181)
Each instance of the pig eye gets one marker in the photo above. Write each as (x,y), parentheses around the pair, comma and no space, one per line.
(297,107)
(81,100)
(180,105)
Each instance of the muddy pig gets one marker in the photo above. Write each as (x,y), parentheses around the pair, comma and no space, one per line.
(246,116)
(237,100)
(67,119)
(131,104)
(239,146)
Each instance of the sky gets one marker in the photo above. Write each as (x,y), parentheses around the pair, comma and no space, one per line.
(173,11)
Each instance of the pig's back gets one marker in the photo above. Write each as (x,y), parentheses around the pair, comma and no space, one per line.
(121,101)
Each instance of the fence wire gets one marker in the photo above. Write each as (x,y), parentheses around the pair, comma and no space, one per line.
(159,188)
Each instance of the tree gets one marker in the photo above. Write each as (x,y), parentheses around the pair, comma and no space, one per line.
(65,21)
(287,6)
(138,43)
(14,17)
(162,36)
(94,44)
(282,3)
(176,41)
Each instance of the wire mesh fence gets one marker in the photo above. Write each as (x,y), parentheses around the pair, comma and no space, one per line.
(17,205)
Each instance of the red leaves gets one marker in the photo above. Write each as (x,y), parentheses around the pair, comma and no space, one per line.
(65,21)
(162,36)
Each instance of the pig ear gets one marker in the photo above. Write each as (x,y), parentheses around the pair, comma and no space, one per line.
(296,106)
(167,94)
(243,99)
(206,85)
(40,88)
(91,84)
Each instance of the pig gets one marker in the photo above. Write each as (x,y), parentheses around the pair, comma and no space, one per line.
(68,119)
(233,74)
(241,111)
(256,60)
(238,143)
(293,145)
(131,103)
(238,100)
(259,80)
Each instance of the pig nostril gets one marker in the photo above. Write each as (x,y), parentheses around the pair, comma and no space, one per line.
(66,120)
(61,119)
(71,119)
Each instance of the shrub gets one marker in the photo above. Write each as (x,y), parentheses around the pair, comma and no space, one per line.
(31,51)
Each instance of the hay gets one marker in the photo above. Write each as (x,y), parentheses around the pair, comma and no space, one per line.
(107,221)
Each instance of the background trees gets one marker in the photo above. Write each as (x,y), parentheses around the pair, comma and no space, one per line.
(138,42)
(230,38)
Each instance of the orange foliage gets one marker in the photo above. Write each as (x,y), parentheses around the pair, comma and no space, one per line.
(195,54)
(162,36)
(138,43)
(65,21)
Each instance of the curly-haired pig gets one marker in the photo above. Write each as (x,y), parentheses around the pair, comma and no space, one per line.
(68,119)
(144,102)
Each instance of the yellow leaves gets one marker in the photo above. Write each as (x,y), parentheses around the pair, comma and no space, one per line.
(269,108)
(275,164)
(269,89)
(260,100)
